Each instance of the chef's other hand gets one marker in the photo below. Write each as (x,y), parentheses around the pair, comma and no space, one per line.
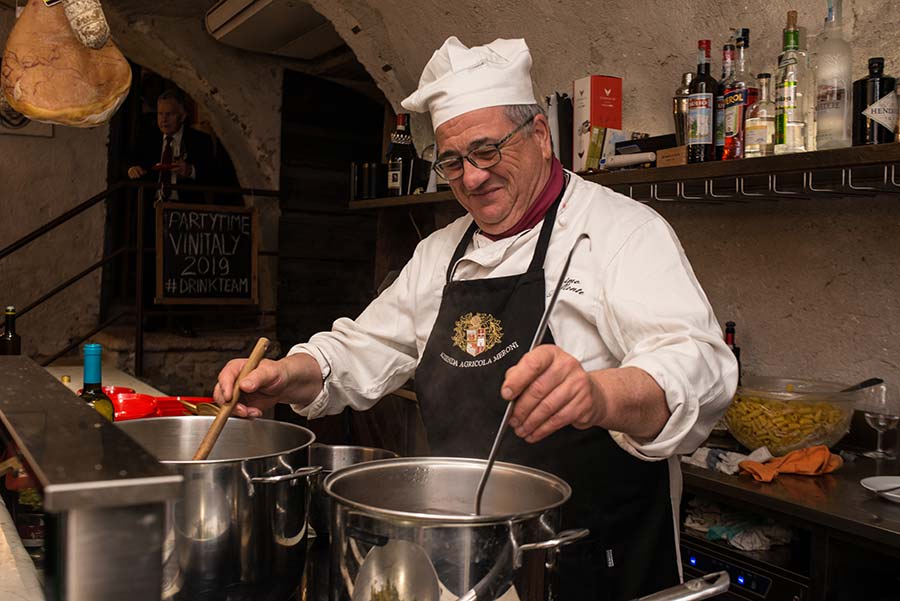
(552,391)
(136,171)
(261,389)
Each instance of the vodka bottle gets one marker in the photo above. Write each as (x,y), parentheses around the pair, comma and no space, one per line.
(834,82)
(759,127)
(790,100)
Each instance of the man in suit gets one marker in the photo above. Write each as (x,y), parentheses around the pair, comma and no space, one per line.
(182,156)
(188,152)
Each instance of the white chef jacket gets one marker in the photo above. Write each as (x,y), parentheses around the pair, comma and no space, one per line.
(630,299)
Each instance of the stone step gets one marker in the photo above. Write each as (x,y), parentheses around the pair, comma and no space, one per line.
(178,365)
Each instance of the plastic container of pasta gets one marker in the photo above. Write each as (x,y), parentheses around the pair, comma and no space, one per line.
(786,414)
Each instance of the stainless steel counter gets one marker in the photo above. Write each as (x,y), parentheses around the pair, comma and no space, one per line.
(103,494)
(836,501)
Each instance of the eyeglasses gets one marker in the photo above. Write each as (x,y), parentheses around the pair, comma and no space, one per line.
(483,157)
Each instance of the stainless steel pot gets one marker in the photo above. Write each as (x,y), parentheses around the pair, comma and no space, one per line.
(332,458)
(407,524)
(242,514)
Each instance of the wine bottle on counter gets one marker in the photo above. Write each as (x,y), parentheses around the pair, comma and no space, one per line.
(10,343)
(721,87)
(834,64)
(759,128)
(401,156)
(701,110)
(92,388)
(790,101)
(729,340)
(874,106)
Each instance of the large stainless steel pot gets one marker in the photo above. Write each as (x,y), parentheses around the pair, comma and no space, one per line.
(241,517)
(407,524)
(333,458)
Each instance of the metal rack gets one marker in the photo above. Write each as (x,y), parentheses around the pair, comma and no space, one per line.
(856,171)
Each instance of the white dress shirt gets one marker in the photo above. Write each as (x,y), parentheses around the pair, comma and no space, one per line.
(176,153)
(630,299)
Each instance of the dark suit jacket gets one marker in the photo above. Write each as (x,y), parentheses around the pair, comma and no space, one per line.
(199,149)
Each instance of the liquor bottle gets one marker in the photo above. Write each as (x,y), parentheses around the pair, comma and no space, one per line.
(729,340)
(721,87)
(701,144)
(741,92)
(874,106)
(92,389)
(833,72)
(401,155)
(759,126)
(10,343)
(680,107)
(790,101)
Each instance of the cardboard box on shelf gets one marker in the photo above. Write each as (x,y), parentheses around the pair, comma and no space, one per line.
(671,157)
(597,103)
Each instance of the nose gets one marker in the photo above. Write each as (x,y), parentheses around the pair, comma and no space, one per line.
(473,177)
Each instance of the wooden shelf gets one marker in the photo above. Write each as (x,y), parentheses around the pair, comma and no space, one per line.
(747,176)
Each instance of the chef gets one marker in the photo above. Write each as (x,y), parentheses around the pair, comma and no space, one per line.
(632,371)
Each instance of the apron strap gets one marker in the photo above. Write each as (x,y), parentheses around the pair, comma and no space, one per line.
(540,252)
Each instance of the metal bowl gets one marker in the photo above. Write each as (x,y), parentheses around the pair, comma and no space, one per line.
(333,458)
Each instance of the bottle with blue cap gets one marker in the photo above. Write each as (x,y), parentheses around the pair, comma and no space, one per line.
(92,389)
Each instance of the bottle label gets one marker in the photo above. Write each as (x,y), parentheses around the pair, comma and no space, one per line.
(884,111)
(734,112)
(700,119)
(395,175)
(758,132)
(720,121)
(785,108)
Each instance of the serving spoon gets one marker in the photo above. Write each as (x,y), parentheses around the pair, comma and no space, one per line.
(538,336)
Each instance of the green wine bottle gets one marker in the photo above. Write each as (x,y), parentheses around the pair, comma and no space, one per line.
(10,342)
(92,390)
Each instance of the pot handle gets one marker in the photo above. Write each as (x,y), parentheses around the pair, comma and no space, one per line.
(303,472)
(566,537)
(708,586)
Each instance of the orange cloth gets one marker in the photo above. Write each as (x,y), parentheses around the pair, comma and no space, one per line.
(810,461)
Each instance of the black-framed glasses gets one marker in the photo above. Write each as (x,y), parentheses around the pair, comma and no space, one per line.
(483,157)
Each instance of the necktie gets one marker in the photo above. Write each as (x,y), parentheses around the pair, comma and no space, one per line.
(165,177)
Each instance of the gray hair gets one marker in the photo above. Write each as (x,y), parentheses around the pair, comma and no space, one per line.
(520,113)
(174,96)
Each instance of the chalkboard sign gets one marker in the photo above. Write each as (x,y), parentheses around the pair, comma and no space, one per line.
(206,254)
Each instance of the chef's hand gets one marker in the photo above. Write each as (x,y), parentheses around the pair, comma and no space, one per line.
(552,391)
(136,171)
(182,168)
(296,379)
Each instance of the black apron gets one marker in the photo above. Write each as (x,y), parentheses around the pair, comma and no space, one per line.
(482,329)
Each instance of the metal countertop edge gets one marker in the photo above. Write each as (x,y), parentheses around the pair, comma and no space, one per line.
(111,493)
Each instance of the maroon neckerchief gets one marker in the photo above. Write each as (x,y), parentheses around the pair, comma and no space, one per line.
(538,208)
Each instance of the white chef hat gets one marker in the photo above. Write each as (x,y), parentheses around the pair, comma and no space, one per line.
(458,79)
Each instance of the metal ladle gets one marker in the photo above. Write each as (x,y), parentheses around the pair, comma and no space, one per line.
(538,336)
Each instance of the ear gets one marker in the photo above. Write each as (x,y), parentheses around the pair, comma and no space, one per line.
(542,132)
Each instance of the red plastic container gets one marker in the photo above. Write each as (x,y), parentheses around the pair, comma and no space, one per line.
(133,405)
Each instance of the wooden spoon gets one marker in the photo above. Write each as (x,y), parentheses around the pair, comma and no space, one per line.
(215,429)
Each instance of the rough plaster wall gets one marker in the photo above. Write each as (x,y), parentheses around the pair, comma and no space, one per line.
(41,178)
(812,285)
(647,42)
